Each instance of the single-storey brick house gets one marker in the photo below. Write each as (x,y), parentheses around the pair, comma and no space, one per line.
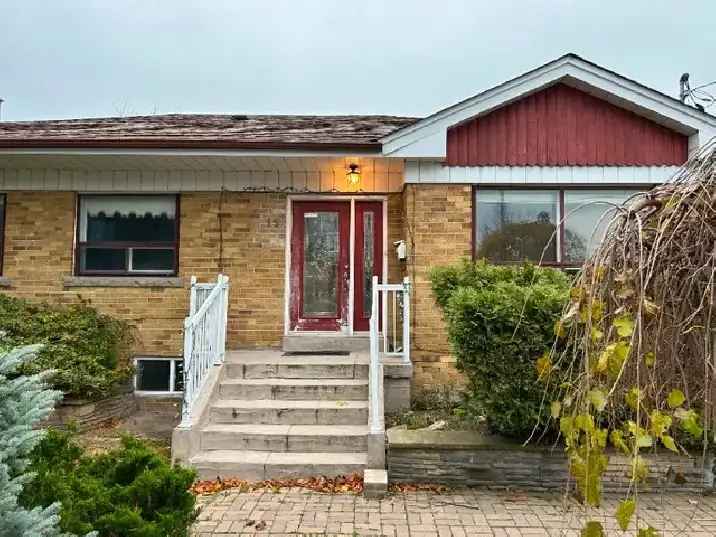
(300,212)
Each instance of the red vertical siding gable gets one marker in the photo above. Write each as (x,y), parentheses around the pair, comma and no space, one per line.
(563,126)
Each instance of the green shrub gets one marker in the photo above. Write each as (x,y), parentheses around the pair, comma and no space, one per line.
(87,350)
(500,320)
(131,491)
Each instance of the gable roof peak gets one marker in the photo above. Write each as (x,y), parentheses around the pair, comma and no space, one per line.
(570,68)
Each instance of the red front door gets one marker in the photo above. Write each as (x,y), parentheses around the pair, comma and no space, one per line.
(320,256)
(320,264)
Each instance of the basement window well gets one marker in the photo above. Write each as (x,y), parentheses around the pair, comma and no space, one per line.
(161,376)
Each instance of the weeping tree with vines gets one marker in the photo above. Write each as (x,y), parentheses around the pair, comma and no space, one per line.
(634,361)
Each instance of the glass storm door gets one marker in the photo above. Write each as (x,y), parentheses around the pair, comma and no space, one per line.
(320,256)
(368,260)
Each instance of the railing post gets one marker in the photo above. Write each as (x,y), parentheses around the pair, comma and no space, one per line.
(192,297)
(223,316)
(188,396)
(217,313)
(383,299)
(375,387)
(406,320)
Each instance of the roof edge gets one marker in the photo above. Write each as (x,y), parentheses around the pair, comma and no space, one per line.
(144,143)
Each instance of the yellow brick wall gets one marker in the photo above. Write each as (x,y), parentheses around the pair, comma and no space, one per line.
(438,224)
(39,236)
(436,221)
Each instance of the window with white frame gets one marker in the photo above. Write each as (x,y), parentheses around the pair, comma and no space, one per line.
(555,226)
(127,234)
(159,375)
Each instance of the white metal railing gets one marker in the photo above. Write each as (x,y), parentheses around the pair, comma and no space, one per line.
(199,294)
(395,301)
(204,337)
(395,328)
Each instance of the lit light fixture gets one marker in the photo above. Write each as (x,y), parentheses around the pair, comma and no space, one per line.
(353,175)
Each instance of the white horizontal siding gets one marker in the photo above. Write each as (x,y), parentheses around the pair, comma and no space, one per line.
(236,174)
(420,171)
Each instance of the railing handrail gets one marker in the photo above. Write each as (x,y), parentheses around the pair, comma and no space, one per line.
(216,290)
(376,416)
(208,326)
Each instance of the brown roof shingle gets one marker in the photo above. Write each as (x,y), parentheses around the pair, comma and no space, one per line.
(204,131)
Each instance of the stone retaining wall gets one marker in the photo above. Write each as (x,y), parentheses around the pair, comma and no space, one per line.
(460,458)
(153,417)
(87,415)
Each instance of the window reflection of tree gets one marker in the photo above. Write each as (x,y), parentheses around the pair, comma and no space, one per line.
(519,241)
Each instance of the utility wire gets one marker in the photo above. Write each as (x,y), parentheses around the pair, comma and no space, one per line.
(704,85)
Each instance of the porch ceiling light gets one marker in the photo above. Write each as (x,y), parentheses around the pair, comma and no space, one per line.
(353,175)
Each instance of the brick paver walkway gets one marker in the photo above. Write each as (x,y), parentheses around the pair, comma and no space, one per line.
(464,513)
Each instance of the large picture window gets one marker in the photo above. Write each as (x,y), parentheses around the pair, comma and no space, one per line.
(127,235)
(556,226)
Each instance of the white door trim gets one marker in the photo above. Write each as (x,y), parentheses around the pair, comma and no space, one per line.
(287,257)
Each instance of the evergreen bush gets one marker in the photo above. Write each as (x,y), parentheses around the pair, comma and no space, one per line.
(87,351)
(130,491)
(500,319)
(24,401)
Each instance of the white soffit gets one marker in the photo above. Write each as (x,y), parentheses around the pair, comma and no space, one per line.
(423,171)
(427,138)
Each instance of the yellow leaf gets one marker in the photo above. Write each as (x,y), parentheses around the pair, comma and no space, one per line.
(650,359)
(675,398)
(624,325)
(644,440)
(617,439)
(584,422)
(544,366)
(559,330)
(633,398)
(556,409)
(639,469)
(602,361)
(659,423)
(598,399)
(625,510)
(566,425)
(592,529)
(669,443)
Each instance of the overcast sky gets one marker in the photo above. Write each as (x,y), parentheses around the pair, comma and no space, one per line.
(81,58)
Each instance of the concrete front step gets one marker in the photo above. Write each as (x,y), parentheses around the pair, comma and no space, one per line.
(296,389)
(281,412)
(286,438)
(260,465)
(276,365)
(325,342)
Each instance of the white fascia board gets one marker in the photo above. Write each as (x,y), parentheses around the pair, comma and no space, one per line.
(427,137)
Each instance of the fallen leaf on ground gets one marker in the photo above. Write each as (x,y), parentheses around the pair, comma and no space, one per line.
(352,484)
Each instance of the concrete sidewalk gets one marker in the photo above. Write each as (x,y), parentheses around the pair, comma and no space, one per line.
(471,512)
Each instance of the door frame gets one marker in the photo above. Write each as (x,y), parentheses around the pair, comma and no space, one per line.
(351,234)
